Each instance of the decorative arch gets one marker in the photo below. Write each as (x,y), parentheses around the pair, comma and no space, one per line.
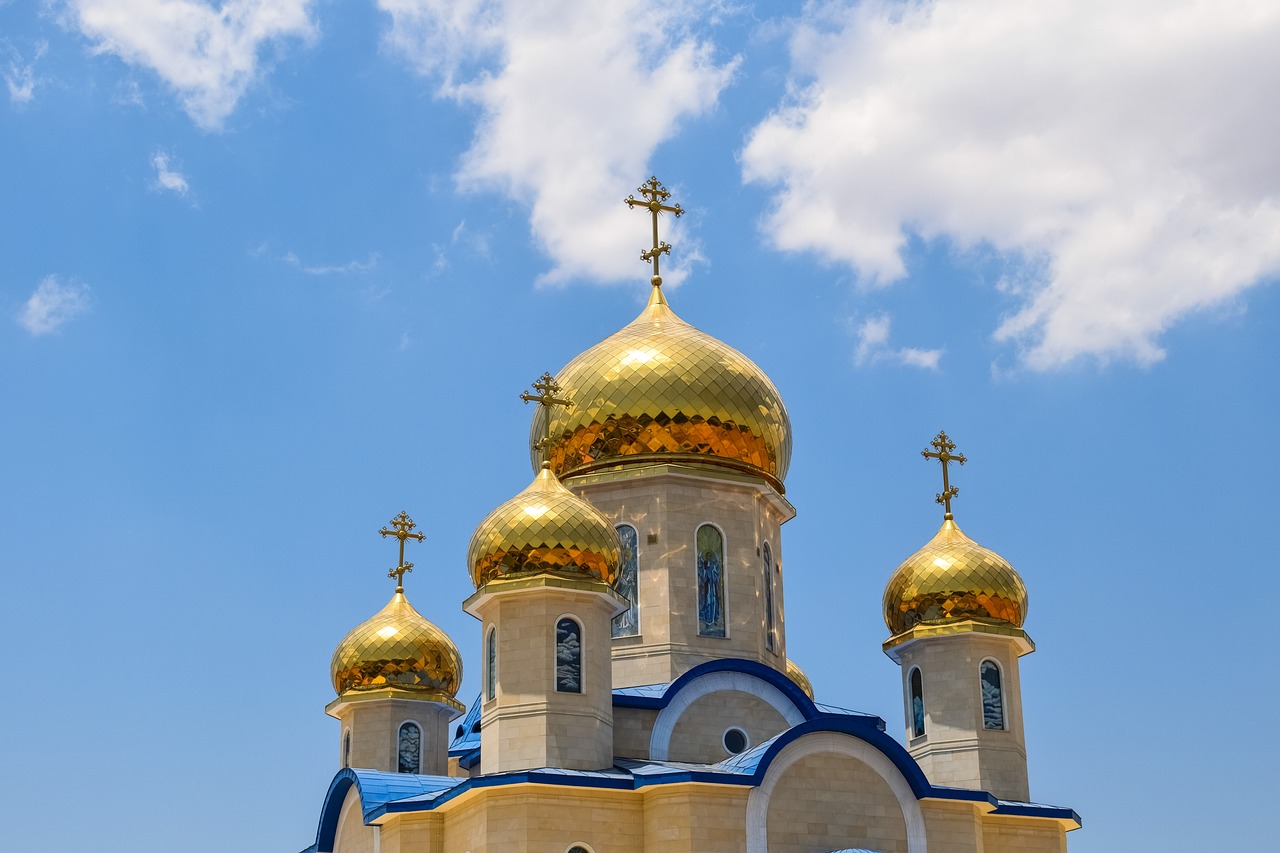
(627,623)
(709,550)
(770,616)
(840,744)
(991,685)
(491,664)
(409,747)
(569,640)
(915,702)
(714,682)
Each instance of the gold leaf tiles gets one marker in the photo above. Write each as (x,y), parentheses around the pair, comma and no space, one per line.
(544,529)
(397,648)
(661,387)
(953,578)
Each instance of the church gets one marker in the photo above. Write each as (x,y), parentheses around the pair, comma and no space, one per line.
(636,693)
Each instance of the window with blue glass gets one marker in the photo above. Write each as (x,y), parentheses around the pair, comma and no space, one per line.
(568,656)
(992,695)
(710,550)
(409,748)
(627,623)
(917,703)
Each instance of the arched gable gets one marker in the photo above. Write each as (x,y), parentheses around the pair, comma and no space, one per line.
(859,773)
(765,683)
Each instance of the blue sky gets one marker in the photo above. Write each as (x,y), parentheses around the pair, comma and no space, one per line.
(272,272)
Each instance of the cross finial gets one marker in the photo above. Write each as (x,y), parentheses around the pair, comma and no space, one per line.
(547,389)
(654,195)
(402,524)
(942,447)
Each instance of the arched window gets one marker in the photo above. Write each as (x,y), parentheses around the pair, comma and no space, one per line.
(409,748)
(917,703)
(491,669)
(770,627)
(992,695)
(568,656)
(627,623)
(346,749)
(710,544)
(577,848)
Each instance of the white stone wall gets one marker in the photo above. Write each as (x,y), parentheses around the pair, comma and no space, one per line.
(666,504)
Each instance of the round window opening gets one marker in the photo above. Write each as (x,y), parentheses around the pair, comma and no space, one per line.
(735,741)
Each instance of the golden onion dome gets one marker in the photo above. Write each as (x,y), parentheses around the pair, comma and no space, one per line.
(660,390)
(546,529)
(951,579)
(398,648)
(796,674)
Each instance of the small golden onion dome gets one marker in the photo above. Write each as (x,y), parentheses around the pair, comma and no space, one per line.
(398,648)
(950,579)
(546,529)
(796,674)
(660,390)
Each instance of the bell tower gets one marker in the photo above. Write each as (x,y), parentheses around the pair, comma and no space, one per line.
(955,611)
(396,676)
(544,564)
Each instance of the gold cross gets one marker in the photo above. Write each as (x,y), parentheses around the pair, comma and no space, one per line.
(654,195)
(942,452)
(402,524)
(547,389)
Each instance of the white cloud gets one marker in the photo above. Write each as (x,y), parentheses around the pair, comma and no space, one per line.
(167,178)
(574,99)
(53,303)
(873,346)
(208,54)
(1121,155)
(19,74)
(357,267)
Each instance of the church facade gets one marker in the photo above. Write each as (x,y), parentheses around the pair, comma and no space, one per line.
(636,694)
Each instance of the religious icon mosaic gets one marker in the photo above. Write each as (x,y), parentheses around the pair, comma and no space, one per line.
(710,582)
(627,623)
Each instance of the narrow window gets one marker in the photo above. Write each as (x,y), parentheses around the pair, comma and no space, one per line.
(410,748)
(917,704)
(627,623)
(770,629)
(992,696)
(346,749)
(491,671)
(710,581)
(568,656)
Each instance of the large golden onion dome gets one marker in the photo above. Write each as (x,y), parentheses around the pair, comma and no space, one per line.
(546,529)
(952,579)
(398,649)
(660,390)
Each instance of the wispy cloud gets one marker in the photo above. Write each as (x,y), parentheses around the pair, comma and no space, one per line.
(872,346)
(168,178)
(350,267)
(19,73)
(209,55)
(1120,156)
(591,66)
(53,303)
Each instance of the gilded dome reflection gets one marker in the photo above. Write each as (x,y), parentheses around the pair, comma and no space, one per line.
(660,389)
(544,529)
(397,648)
(953,578)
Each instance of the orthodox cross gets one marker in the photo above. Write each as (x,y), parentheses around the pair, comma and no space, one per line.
(402,524)
(547,389)
(942,447)
(654,195)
